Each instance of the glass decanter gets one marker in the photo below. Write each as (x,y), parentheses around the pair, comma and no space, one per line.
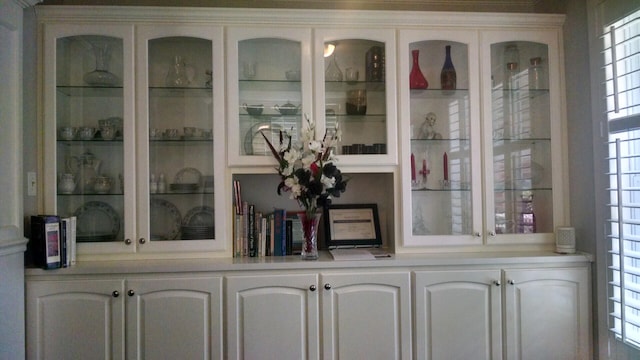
(101,75)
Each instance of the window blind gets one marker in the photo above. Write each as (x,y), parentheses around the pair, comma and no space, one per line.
(621,53)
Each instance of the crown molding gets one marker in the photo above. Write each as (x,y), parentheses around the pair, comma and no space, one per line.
(420,5)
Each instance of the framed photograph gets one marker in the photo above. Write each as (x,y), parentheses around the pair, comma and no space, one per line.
(352,225)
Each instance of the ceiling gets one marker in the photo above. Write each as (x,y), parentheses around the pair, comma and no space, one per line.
(526,6)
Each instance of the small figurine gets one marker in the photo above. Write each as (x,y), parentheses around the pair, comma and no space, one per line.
(427,131)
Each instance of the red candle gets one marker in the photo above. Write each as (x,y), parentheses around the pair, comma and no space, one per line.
(445,166)
(413,168)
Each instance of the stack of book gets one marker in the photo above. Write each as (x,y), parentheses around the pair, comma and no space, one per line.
(256,233)
(53,241)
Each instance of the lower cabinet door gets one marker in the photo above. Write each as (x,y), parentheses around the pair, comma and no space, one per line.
(272,317)
(547,313)
(75,319)
(458,314)
(366,315)
(174,318)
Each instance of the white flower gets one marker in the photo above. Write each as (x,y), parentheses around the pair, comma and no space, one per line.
(315,146)
(327,182)
(291,156)
(295,188)
(307,160)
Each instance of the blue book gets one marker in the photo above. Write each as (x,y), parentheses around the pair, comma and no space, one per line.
(279,232)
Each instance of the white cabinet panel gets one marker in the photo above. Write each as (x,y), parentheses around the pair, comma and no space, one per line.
(547,314)
(458,314)
(272,317)
(366,315)
(174,318)
(80,319)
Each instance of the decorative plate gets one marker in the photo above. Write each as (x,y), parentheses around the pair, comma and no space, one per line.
(165,220)
(199,216)
(97,221)
(188,176)
(254,143)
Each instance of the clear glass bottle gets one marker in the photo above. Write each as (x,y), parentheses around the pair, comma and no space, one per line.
(512,62)
(177,75)
(537,78)
(333,72)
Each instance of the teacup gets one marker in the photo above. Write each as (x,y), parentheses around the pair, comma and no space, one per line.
(155,134)
(206,134)
(68,132)
(102,184)
(190,131)
(87,133)
(108,132)
(172,134)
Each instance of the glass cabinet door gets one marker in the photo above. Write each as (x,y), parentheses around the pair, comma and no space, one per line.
(440,142)
(356,92)
(269,90)
(88,92)
(522,131)
(179,156)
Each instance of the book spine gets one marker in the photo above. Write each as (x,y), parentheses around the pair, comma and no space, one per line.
(73,223)
(278,232)
(251,229)
(245,228)
(289,237)
(64,242)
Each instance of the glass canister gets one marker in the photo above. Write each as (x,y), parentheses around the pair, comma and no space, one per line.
(512,61)
(537,77)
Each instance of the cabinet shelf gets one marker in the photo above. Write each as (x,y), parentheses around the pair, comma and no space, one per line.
(93,142)
(166,91)
(90,91)
(270,85)
(435,94)
(180,142)
(352,85)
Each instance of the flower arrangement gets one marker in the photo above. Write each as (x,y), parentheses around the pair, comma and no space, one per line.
(307,168)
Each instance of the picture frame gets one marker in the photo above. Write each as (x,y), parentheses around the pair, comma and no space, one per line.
(352,225)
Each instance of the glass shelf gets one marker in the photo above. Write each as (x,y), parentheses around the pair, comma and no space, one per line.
(90,91)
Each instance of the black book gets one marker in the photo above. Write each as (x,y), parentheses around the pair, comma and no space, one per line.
(289,230)
(44,245)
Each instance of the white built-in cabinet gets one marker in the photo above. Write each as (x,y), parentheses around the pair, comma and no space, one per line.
(133,141)
(118,318)
(326,315)
(510,314)
(483,162)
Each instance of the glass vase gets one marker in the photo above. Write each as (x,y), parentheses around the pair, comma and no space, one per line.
(333,72)
(416,79)
(310,234)
(448,73)
(101,75)
(177,75)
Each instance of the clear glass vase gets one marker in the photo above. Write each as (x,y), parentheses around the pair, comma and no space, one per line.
(333,72)
(101,76)
(310,224)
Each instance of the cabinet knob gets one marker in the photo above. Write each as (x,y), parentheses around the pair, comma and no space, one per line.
(496,283)
(511,282)
(492,233)
(115,293)
(142,240)
(312,288)
(127,241)
(477,234)
(327,286)
(131,292)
